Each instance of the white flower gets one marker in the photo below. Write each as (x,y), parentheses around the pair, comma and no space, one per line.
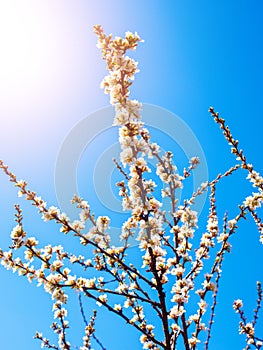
(51,213)
(102,222)
(117,307)
(103,299)
(232,223)
(126,156)
(176,312)
(193,341)
(18,232)
(254,201)
(237,304)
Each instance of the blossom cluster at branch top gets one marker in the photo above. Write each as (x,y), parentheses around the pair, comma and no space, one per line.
(121,67)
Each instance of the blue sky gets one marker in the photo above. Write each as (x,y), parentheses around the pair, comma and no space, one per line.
(195,54)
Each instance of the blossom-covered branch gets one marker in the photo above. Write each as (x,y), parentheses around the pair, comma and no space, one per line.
(180,261)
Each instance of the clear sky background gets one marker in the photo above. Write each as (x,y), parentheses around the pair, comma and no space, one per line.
(195,54)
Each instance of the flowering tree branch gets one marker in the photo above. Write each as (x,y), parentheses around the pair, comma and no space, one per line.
(178,263)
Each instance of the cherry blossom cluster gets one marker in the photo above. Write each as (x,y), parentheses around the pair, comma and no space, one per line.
(248,328)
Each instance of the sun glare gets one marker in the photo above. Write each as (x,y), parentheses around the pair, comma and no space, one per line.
(19,43)
(30,57)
